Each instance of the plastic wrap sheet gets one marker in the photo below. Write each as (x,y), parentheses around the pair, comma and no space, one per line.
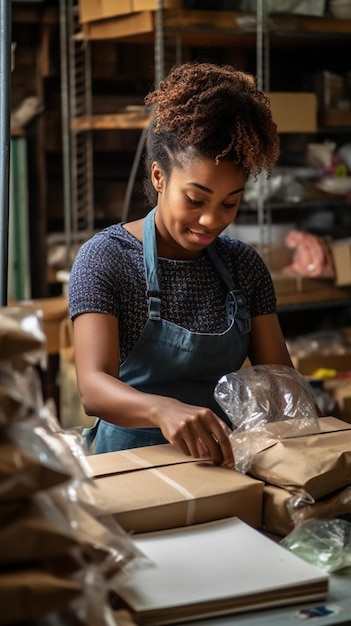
(56,558)
(265,403)
(325,543)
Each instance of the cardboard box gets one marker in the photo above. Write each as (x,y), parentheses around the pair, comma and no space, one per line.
(312,362)
(341,392)
(275,256)
(278,257)
(157,488)
(117,27)
(318,464)
(152,5)
(294,112)
(341,253)
(285,284)
(54,310)
(92,10)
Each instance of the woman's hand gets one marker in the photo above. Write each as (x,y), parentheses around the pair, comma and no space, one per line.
(194,430)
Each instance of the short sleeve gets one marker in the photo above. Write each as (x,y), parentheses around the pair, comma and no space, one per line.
(92,283)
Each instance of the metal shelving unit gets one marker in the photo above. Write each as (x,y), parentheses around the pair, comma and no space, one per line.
(76,100)
(171,30)
(79,123)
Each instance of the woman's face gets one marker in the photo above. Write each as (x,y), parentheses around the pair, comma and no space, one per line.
(197,202)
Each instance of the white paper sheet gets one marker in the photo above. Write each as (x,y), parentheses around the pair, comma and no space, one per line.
(214,562)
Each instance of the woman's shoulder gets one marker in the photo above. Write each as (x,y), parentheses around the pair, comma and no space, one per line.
(251,274)
(110,241)
(242,259)
(229,246)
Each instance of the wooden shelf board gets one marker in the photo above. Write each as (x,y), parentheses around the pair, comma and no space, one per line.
(213,27)
(329,294)
(17,132)
(303,24)
(118,121)
(335,118)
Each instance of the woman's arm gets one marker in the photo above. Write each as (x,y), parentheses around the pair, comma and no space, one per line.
(194,430)
(267,343)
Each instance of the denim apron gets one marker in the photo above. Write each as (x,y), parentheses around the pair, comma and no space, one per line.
(170,360)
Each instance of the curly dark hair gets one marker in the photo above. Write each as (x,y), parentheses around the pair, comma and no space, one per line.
(212,111)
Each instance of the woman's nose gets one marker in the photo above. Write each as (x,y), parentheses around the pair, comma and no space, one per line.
(209,218)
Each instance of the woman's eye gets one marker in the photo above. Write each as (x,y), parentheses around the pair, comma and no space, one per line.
(229,206)
(194,202)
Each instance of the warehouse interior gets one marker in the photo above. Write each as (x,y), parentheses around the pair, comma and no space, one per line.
(74,166)
(77,121)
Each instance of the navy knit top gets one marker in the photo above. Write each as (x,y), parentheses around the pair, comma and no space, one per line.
(108,276)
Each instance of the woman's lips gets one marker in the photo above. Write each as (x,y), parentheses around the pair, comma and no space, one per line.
(204,238)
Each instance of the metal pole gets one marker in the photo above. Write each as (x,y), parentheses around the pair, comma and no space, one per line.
(159,45)
(66,138)
(5,78)
(263,78)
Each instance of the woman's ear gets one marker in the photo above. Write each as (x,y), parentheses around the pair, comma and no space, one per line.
(157,177)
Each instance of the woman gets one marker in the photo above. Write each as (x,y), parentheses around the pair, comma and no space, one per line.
(164,306)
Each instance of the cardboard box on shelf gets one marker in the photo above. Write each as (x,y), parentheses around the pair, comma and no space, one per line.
(310,363)
(278,257)
(124,26)
(283,284)
(346,408)
(54,310)
(92,10)
(294,112)
(157,487)
(341,391)
(341,253)
(294,284)
(152,5)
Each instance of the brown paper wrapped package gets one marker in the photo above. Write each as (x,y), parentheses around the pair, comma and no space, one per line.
(30,537)
(22,475)
(320,464)
(32,593)
(278,519)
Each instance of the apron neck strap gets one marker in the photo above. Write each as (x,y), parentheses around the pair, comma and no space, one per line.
(153,291)
(234,297)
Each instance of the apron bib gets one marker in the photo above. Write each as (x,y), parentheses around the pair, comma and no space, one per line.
(170,360)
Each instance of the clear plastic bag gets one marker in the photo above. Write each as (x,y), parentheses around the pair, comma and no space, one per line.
(74,555)
(324,543)
(265,403)
(22,335)
(302,506)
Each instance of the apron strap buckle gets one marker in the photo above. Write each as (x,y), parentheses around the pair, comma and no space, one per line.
(231,306)
(154,298)
(245,325)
